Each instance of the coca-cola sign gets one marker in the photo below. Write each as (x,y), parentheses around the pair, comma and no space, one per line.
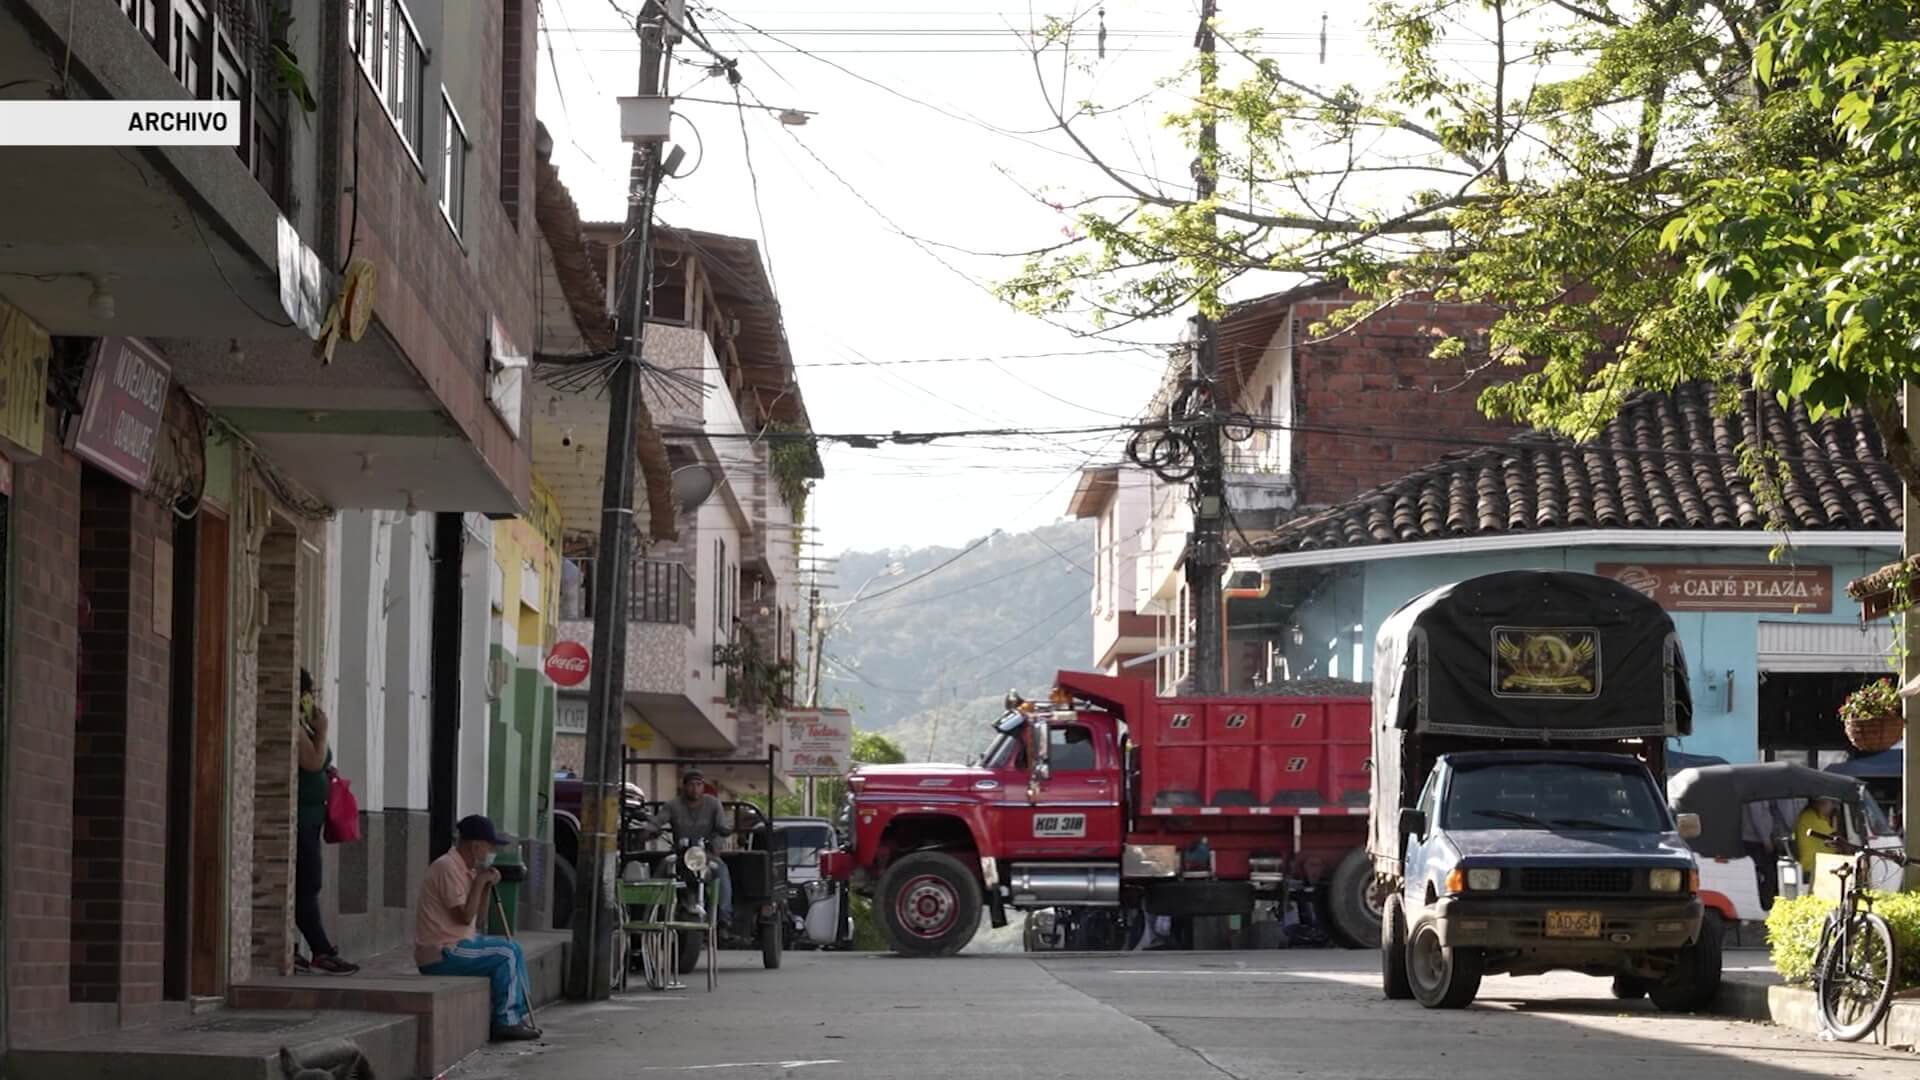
(568,664)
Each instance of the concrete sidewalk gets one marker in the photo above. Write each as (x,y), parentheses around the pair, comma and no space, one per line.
(1756,992)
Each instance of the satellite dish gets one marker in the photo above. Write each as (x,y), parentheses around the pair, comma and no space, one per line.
(692,485)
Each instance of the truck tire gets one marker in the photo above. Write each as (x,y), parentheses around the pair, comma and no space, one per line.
(1347,901)
(929,904)
(1393,951)
(1441,977)
(1695,980)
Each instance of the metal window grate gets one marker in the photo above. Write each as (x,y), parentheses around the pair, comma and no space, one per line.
(1576,880)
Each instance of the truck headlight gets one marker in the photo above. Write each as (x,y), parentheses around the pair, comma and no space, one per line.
(1666,880)
(1481,879)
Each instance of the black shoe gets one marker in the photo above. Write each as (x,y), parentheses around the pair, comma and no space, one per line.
(301,964)
(333,965)
(515,1033)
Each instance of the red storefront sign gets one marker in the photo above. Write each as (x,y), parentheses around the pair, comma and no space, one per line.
(119,429)
(568,664)
(1804,589)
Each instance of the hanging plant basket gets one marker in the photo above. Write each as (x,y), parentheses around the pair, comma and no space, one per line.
(1875,734)
(1872,717)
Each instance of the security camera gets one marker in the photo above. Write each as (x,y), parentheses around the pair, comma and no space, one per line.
(566,437)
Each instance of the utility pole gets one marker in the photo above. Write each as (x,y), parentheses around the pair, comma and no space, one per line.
(596,906)
(1908,626)
(1206,547)
(815,638)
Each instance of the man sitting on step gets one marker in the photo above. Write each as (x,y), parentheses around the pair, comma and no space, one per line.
(446,938)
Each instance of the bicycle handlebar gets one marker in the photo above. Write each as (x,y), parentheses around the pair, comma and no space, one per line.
(1847,847)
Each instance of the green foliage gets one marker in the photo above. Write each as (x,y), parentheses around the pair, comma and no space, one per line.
(287,74)
(867,935)
(1793,934)
(1644,193)
(1872,701)
(754,679)
(794,461)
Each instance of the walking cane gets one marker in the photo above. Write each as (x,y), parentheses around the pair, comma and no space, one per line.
(526,980)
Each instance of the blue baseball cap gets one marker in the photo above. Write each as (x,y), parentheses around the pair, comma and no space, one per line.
(480,827)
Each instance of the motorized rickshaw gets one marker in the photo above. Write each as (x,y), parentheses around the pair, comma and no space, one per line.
(757,866)
(1719,794)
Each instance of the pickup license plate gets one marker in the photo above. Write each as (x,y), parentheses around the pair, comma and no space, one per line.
(1573,924)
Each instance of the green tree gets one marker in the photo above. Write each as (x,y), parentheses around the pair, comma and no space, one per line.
(1644,192)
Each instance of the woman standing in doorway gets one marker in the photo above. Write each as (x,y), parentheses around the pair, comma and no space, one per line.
(316,759)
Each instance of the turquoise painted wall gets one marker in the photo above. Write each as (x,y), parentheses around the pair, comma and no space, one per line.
(1716,643)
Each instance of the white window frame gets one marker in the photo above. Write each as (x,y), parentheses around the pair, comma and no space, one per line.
(453,167)
(387,68)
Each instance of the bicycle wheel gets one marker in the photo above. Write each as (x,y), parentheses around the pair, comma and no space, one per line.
(1855,983)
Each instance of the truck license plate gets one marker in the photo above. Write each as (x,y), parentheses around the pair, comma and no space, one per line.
(1573,924)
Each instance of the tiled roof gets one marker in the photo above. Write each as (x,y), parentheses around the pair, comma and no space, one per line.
(1668,461)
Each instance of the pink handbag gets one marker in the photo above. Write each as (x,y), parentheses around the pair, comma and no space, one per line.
(343,811)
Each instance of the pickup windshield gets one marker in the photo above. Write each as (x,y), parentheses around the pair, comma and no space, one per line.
(1552,795)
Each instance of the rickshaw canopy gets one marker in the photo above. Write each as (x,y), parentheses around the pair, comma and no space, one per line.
(1719,794)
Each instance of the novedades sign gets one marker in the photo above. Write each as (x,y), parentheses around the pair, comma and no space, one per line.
(119,429)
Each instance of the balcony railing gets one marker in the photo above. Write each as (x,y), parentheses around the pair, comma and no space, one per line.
(220,51)
(658,591)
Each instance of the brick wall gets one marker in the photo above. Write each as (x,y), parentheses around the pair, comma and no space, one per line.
(86,783)
(435,293)
(44,535)
(1403,408)
(99,794)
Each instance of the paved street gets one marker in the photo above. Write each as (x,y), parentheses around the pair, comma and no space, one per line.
(1237,1016)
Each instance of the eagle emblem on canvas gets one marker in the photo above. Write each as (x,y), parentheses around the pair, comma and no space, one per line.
(1545,662)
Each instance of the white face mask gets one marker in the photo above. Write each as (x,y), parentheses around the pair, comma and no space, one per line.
(487,858)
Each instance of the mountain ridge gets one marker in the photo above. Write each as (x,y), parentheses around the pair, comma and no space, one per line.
(926,654)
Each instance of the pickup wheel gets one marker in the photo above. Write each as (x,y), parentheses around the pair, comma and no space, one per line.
(1393,951)
(1441,977)
(1351,902)
(1695,979)
(930,904)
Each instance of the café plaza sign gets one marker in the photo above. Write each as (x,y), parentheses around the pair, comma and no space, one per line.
(1805,590)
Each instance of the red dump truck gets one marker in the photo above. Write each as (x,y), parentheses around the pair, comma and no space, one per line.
(1106,796)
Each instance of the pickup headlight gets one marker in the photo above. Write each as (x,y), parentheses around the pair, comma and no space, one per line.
(1481,879)
(1666,880)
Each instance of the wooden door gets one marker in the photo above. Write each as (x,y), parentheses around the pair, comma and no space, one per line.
(208,952)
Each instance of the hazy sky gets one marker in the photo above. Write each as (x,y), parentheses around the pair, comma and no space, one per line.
(864,306)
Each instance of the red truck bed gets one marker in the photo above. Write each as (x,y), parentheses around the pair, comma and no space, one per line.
(1240,756)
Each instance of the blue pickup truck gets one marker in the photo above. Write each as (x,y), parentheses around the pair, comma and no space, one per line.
(1519,722)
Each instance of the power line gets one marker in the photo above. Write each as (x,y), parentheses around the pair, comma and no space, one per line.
(963,553)
(746,149)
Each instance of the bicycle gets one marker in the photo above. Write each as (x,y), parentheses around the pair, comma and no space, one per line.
(1855,964)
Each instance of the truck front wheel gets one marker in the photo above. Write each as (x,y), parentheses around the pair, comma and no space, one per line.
(930,904)
(1351,901)
(1695,979)
(1441,977)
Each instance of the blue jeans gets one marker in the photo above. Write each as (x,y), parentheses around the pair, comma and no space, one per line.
(501,961)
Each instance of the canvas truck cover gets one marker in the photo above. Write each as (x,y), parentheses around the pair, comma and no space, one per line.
(1535,657)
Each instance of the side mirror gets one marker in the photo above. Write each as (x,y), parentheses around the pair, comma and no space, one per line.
(1413,823)
(1037,748)
(1688,825)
